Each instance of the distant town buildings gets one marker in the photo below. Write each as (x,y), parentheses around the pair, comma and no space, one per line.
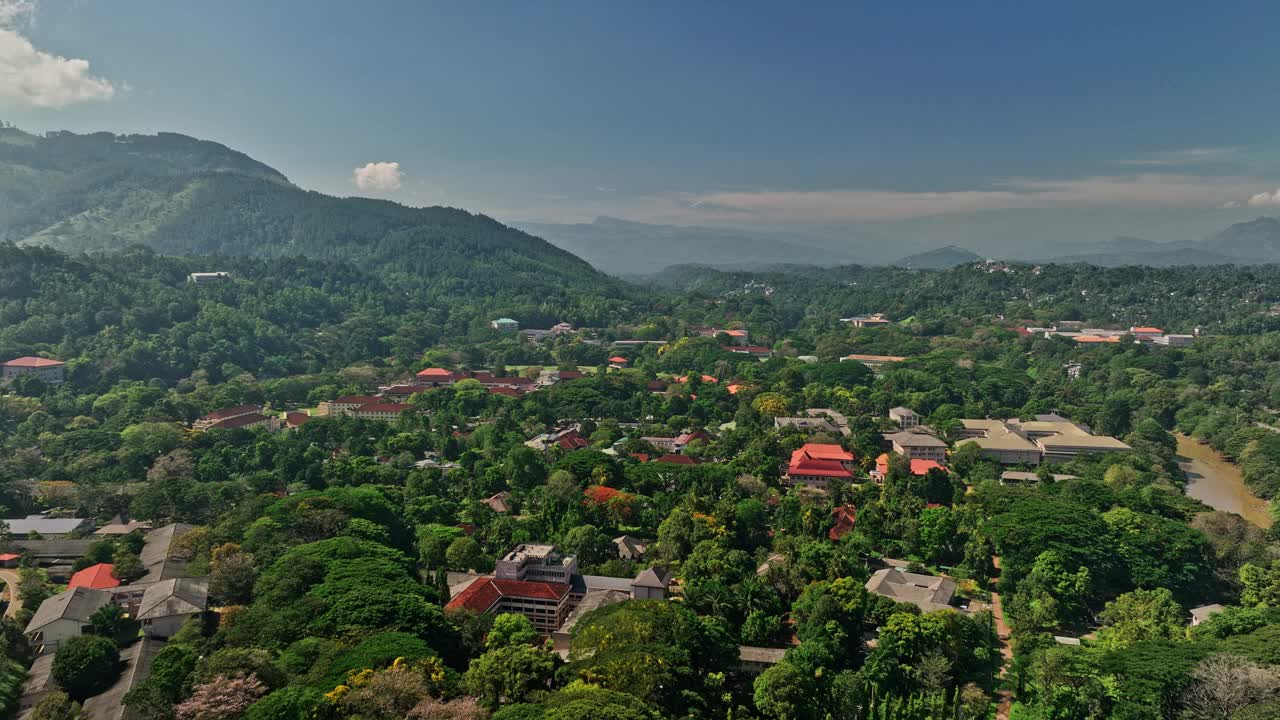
(1075,330)
(49,371)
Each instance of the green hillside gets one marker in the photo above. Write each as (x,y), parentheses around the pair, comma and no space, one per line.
(182,196)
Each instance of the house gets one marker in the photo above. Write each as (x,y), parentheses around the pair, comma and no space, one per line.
(48,527)
(167,605)
(662,443)
(684,439)
(208,422)
(546,604)
(402,392)
(918,467)
(536,563)
(136,661)
(875,362)
(296,419)
(49,371)
(38,684)
(98,577)
(505,324)
(161,554)
(433,461)
(1175,340)
(816,464)
(738,337)
(122,526)
(1204,612)
(675,459)
(345,404)
(630,548)
(906,418)
(865,321)
(917,446)
(1140,331)
(837,419)
(844,517)
(564,438)
(758,352)
(270,423)
(499,503)
(617,362)
(651,584)
(806,424)
(64,616)
(755,660)
(206,278)
(927,592)
(9,560)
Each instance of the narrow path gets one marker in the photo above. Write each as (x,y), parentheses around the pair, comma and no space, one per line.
(1004,695)
(10,578)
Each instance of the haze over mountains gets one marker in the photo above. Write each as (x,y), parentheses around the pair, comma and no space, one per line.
(180,195)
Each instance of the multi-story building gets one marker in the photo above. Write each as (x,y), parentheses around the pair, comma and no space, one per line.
(816,464)
(1047,438)
(345,404)
(505,325)
(546,604)
(906,418)
(536,563)
(384,411)
(50,371)
(917,446)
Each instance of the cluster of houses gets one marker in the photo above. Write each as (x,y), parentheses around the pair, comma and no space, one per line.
(1045,438)
(161,601)
(1076,330)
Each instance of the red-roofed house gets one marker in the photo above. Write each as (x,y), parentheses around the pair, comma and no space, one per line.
(1145,330)
(844,517)
(294,419)
(49,371)
(685,379)
(739,337)
(918,467)
(9,560)
(215,418)
(817,464)
(505,391)
(674,459)
(617,362)
(98,577)
(545,604)
(438,376)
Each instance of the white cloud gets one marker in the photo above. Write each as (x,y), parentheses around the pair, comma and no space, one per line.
(872,205)
(1265,199)
(1228,205)
(30,77)
(378,176)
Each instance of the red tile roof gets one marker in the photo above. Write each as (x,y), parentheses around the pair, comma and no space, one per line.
(685,378)
(736,333)
(231,412)
(435,372)
(481,595)
(1097,339)
(617,360)
(294,419)
(844,516)
(821,460)
(674,459)
(571,375)
(509,392)
(1147,330)
(239,421)
(356,400)
(97,577)
(33,362)
(5,557)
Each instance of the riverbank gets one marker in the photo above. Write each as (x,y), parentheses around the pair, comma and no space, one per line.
(1216,482)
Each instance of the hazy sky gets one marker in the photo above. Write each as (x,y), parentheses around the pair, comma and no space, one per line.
(980,123)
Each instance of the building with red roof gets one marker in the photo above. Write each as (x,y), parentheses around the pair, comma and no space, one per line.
(817,464)
(215,418)
(505,391)
(384,411)
(844,517)
(98,577)
(618,362)
(50,371)
(437,375)
(546,604)
(294,419)
(918,467)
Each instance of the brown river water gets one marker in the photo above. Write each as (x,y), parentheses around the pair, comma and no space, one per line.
(1214,481)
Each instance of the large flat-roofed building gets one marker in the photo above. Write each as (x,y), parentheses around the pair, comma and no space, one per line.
(536,563)
(917,446)
(1060,448)
(46,526)
(1047,438)
(49,371)
(1005,446)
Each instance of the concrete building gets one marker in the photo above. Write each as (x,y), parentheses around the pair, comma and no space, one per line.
(875,362)
(927,592)
(917,446)
(906,418)
(536,563)
(207,278)
(630,548)
(651,584)
(505,325)
(546,604)
(49,371)
(1047,438)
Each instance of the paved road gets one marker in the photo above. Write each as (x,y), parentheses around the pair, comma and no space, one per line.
(10,578)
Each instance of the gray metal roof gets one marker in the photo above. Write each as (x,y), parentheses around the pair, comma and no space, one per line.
(157,553)
(653,578)
(927,592)
(75,604)
(177,596)
(58,548)
(44,525)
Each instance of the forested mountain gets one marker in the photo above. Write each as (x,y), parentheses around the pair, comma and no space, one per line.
(941,258)
(182,196)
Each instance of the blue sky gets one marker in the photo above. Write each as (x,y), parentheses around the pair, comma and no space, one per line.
(986,124)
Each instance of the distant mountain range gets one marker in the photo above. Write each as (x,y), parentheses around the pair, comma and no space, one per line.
(183,196)
(623,247)
(939,259)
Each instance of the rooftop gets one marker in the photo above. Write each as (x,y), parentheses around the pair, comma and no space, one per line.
(33,362)
(927,592)
(98,577)
(482,594)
